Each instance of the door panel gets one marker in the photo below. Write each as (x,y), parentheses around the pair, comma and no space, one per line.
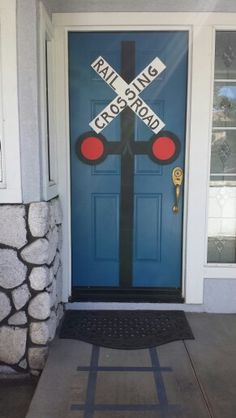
(99,205)
(147,235)
(106,212)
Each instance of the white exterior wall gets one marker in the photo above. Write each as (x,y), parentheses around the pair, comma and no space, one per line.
(10,175)
(27,25)
(72,6)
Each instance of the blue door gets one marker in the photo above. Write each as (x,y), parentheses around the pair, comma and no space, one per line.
(127,96)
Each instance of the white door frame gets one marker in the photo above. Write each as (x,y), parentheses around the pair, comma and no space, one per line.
(201,28)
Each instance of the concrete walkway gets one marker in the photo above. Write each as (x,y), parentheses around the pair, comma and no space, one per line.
(184,379)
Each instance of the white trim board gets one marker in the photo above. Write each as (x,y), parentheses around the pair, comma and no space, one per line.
(10,187)
(108,20)
(201,27)
(47,105)
(133,306)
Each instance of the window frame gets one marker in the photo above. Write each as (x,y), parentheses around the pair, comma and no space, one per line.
(215,270)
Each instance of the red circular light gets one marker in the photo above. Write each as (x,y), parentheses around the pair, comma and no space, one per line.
(163,148)
(92,148)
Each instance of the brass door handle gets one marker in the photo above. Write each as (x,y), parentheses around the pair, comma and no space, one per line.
(177,178)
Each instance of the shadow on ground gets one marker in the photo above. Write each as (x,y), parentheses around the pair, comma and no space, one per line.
(15,395)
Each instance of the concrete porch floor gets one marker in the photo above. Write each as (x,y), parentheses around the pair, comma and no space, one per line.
(184,379)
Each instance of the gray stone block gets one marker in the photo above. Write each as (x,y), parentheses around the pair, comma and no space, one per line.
(12,344)
(52,237)
(60,312)
(51,275)
(53,293)
(37,252)
(37,357)
(39,216)
(20,296)
(39,332)
(12,225)
(12,270)
(23,364)
(39,306)
(52,326)
(40,278)
(59,284)
(5,306)
(56,263)
(55,212)
(18,318)
(7,371)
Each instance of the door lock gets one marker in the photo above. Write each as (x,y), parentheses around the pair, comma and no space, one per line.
(177,178)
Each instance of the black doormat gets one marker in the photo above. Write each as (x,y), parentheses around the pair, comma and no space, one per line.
(126,329)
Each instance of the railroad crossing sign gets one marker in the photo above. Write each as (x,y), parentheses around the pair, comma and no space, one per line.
(127,95)
(93,148)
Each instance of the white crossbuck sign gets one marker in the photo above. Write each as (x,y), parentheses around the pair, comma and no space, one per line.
(127,95)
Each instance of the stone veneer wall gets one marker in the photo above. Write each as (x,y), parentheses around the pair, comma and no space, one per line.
(30,283)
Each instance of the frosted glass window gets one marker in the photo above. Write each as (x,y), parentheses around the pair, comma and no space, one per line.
(222,194)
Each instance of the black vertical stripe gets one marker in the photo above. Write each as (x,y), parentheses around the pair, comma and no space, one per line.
(127,172)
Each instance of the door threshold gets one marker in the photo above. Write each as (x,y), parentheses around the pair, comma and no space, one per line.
(153,295)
